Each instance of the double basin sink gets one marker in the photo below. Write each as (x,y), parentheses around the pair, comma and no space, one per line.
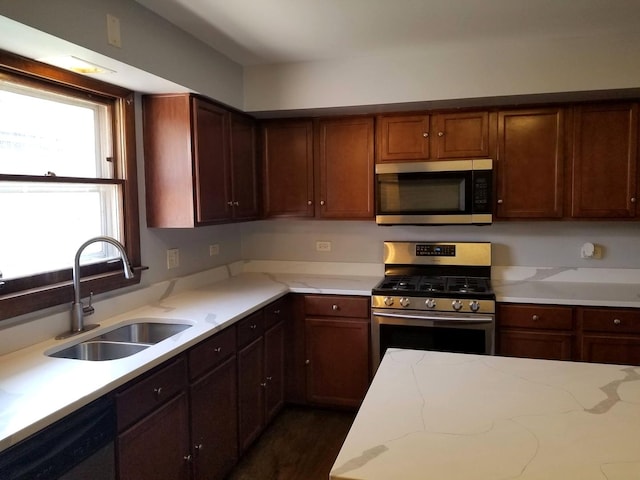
(122,341)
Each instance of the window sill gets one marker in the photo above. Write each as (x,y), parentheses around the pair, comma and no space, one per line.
(28,301)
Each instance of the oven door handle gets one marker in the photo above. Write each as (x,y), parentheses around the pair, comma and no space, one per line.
(479,319)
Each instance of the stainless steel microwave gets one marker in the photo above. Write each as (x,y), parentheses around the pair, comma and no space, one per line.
(435,193)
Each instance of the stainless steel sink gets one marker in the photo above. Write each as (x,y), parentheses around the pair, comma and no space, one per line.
(122,341)
(99,350)
(148,333)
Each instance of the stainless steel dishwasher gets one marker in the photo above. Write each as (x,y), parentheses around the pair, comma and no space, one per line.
(78,447)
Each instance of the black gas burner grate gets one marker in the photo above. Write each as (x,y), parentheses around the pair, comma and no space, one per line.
(428,284)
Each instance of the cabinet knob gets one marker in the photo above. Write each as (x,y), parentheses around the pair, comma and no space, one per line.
(269,379)
(198,446)
(276,312)
(188,458)
(157,391)
(617,321)
(335,307)
(236,204)
(217,349)
(441,134)
(253,326)
(535,318)
(633,199)
(307,362)
(425,134)
(230,204)
(263,385)
(499,201)
(321,202)
(309,202)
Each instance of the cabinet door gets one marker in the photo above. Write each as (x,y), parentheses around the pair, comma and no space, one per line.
(250,392)
(158,446)
(244,180)
(530,163)
(211,162)
(535,344)
(604,161)
(619,349)
(214,428)
(274,370)
(337,361)
(402,138)
(288,169)
(345,166)
(461,135)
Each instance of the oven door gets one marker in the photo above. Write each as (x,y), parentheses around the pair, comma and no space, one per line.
(439,331)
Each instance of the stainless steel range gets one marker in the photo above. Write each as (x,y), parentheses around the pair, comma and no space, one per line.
(434,296)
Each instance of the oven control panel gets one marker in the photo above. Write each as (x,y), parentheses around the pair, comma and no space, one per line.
(435,250)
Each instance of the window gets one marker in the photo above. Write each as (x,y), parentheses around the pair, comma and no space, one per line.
(67,174)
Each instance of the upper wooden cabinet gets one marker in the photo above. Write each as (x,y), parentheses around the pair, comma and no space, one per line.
(345,168)
(287,151)
(604,161)
(530,163)
(331,178)
(402,138)
(199,162)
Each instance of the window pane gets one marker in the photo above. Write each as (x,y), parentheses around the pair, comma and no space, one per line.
(49,221)
(44,132)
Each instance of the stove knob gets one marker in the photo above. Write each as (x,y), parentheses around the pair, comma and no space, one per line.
(405,302)
(388,301)
(431,303)
(456,304)
(474,305)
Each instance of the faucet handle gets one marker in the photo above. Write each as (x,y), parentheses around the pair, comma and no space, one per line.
(88,309)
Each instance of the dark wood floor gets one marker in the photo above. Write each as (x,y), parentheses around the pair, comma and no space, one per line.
(300,444)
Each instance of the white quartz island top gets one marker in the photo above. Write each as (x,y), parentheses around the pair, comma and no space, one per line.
(445,416)
(36,390)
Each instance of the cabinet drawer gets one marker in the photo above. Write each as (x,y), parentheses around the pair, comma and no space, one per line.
(250,328)
(536,317)
(336,306)
(275,312)
(212,352)
(145,395)
(611,320)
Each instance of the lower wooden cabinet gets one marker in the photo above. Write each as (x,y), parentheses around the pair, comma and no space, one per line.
(610,335)
(337,349)
(153,426)
(588,334)
(260,370)
(535,331)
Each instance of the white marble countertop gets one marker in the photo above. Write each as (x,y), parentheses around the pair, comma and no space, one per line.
(36,390)
(430,415)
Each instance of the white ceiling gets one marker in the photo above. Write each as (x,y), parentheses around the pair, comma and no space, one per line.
(253,32)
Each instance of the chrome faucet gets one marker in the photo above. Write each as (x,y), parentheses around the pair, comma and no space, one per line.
(78,309)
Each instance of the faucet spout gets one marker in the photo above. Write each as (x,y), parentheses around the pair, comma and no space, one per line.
(78,309)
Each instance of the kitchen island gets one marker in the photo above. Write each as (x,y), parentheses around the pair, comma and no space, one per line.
(433,415)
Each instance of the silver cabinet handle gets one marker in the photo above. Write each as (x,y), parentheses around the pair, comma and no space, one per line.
(307,362)
(157,391)
(425,134)
(499,201)
(441,134)
(633,199)
(321,202)
(335,307)
(617,321)
(217,349)
(230,204)
(535,318)
(188,458)
(236,204)
(253,326)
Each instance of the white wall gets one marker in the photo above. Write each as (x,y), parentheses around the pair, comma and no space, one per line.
(536,244)
(149,42)
(446,72)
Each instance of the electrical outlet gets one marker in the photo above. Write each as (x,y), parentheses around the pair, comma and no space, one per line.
(173,258)
(113,31)
(214,249)
(597,252)
(323,246)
